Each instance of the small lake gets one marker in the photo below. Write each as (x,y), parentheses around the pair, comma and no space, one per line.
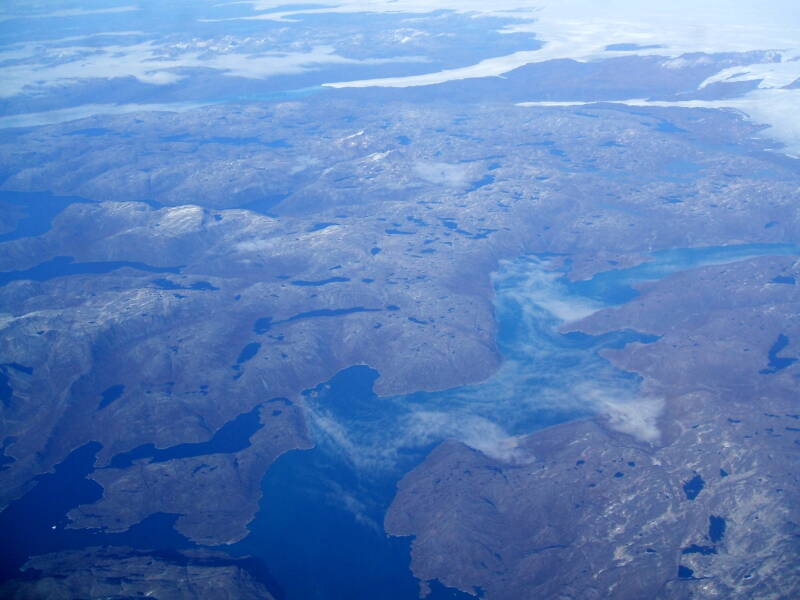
(320,528)
(614,286)
(319,532)
(63,266)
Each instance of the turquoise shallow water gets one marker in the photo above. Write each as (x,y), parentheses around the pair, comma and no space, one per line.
(320,526)
(319,532)
(614,287)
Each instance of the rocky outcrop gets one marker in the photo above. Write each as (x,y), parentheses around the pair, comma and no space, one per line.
(119,572)
(708,507)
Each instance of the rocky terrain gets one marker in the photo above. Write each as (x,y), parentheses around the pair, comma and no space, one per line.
(215,277)
(693,495)
(126,573)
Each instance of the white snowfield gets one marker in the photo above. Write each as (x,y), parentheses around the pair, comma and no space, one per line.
(582,30)
(777,108)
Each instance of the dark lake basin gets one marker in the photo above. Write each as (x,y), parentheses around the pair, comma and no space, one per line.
(38,211)
(320,528)
(63,266)
(778,363)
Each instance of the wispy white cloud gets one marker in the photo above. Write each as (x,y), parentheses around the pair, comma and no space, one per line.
(66,13)
(542,375)
(442,173)
(424,427)
(769,75)
(536,285)
(283,11)
(583,30)
(634,415)
(158,64)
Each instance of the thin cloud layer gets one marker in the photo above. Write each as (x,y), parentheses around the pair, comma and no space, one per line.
(545,378)
(73,12)
(156,63)
(584,30)
(589,31)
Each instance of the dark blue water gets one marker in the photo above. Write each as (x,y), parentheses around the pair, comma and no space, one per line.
(6,460)
(665,126)
(716,528)
(478,184)
(38,209)
(35,524)
(693,487)
(265,205)
(778,363)
(450,224)
(319,529)
(264,324)
(232,437)
(302,282)
(18,367)
(62,266)
(783,279)
(166,284)
(317,549)
(685,572)
(110,395)
(248,353)
(320,525)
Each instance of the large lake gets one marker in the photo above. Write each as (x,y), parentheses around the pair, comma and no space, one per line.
(320,528)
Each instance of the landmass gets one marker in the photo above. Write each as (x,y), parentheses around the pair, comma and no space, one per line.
(689,492)
(120,572)
(196,280)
